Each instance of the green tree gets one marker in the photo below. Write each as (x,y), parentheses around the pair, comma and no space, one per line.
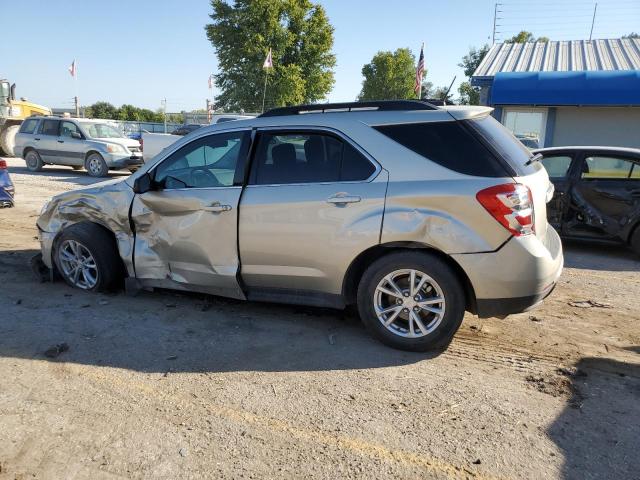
(470,95)
(101,110)
(301,39)
(632,35)
(389,76)
(524,37)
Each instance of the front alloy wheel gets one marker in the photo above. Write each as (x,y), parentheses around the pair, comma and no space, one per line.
(77,265)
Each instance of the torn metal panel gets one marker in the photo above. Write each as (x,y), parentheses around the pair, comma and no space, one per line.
(106,203)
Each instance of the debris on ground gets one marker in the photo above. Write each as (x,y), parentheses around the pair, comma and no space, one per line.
(556,387)
(56,350)
(332,339)
(589,304)
(533,318)
(172,357)
(102,301)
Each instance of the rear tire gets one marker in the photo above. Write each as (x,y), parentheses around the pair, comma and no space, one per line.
(8,140)
(414,323)
(86,257)
(635,241)
(95,165)
(33,161)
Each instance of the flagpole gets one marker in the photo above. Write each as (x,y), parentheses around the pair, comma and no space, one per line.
(264,92)
(420,86)
(75,83)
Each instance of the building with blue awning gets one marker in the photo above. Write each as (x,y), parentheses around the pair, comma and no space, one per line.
(565,93)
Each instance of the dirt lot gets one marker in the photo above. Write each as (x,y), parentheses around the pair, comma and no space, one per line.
(187,386)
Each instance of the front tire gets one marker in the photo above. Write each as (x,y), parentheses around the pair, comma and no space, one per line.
(95,165)
(8,140)
(87,258)
(33,161)
(411,301)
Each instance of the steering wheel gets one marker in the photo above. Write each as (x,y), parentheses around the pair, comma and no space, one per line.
(202,177)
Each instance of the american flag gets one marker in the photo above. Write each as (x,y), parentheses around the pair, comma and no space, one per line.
(419,73)
(72,68)
(268,62)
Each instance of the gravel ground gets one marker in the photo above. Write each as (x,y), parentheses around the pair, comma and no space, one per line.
(187,386)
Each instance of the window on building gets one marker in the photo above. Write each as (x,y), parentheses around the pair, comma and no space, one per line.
(527,124)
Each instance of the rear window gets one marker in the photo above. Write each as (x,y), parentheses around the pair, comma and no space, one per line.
(29,126)
(50,127)
(449,144)
(504,144)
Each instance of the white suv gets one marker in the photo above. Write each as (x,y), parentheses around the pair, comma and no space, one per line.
(92,144)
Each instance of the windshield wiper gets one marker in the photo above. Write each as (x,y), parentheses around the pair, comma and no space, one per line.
(536,158)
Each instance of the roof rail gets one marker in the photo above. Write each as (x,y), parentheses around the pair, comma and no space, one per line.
(378,105)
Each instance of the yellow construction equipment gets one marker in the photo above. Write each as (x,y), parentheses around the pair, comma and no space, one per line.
(12,113)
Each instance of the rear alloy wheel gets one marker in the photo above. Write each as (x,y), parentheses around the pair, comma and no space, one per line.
(411,301)
(87,258)
(96,166)
(33,161)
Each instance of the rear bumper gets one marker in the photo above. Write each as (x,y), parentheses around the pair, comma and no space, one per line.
(516,277)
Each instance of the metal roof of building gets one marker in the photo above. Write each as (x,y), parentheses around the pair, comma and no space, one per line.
(564,56)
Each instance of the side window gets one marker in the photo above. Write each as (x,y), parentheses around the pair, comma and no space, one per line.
(50,127)
(448,144)
(306,158)
(29,125)
(557,167)
(635,172)
(206,162)
(68,128)
(606,168)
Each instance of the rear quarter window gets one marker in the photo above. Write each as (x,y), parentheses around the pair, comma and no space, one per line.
(449,144)
(29,125)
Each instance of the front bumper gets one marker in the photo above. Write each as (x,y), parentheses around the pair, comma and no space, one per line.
(46,246)
(516,277)
(117,160)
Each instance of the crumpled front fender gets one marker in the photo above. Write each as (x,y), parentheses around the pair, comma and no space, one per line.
(106,204)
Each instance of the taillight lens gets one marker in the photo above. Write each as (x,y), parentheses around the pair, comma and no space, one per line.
(511,205)
(141,145)
(3,164)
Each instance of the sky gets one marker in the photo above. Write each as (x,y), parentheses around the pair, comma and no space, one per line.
(142,51)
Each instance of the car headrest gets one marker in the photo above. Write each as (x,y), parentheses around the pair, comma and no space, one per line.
(284,155)
(314,150)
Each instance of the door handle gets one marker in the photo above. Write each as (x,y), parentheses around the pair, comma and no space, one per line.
(37,139)
(216,208)
(340,199)
(60,141)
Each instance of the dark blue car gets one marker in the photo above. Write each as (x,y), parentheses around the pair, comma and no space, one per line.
(6,186)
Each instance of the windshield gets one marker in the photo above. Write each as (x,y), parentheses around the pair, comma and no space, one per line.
(100,130)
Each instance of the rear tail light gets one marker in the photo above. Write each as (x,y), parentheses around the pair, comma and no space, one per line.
(3,164)
(511,205)
(141,145)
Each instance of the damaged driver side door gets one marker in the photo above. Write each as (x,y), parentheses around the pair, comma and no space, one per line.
(186,223)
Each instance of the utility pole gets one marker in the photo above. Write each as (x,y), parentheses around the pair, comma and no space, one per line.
(77,105)
(164,113)
(495,17)
(595,9)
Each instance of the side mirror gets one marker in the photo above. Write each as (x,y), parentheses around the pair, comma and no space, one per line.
(143,183)
(76,135)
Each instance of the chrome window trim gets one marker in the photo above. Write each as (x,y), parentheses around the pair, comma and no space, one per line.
(337,133)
